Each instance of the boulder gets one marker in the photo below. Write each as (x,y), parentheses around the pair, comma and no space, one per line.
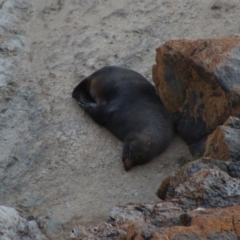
(13,226)
(199,83)
(224,142)
(202,183)
(207,224)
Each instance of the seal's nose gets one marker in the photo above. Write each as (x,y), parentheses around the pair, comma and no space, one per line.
(127,163)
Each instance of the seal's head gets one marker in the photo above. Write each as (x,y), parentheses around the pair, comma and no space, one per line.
(136,151)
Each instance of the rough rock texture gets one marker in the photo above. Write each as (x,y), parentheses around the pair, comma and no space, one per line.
(201,183)
(199,82)
(164,221)
(14,227)
(224,142)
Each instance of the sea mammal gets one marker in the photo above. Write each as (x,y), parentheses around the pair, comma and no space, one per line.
(125,103)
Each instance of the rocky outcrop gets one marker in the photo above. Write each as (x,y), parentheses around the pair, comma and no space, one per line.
(164,221)
(198,81)
(202,183)
(13,226)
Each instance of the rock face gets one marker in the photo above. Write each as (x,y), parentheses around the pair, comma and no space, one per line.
(202,183)
(199,82)
(13,226)
(159,221)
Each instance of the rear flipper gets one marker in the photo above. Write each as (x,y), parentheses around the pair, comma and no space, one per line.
(88,99)
(82,94)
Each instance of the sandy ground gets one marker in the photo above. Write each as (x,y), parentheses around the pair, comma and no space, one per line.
(55,162)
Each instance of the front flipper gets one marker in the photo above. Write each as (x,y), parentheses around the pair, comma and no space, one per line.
(98,112)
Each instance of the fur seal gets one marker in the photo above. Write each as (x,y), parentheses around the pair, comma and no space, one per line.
(125,103)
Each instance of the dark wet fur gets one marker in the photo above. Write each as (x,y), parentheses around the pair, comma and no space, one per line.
(126,104)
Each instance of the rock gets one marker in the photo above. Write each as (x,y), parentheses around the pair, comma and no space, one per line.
(233,122)
(124,219)
(206,224)
(234,169)
(208,188)
(198,81)
(169,184)
(202,183)
(197,149)
(52,228)
(13,226)
(160,213)
(224,142)
(200,223)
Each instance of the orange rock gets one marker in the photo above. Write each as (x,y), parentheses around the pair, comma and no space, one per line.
(205,182)
(214,223)
(205,224)
(224,142)
(208,224)
(198,81)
